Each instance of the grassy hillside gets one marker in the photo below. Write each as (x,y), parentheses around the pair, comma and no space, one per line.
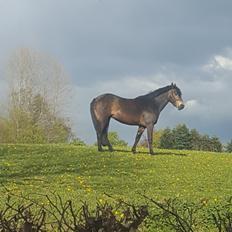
(83,173)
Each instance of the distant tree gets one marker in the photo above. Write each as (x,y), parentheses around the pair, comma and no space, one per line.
(143,142)
(167,140)
(215,144)
(38,91)
(5,130)
(182,137)
(195,140)
(156,139)
(210,143)
(77,142)
(205,143)
(115,140)
(229,146)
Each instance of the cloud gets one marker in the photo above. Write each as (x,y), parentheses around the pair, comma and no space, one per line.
(219,62)
(192,106)
(101,40)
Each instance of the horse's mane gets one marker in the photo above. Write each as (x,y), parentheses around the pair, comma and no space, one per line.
(159,91)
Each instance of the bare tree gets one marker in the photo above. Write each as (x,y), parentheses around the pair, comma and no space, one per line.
(38,94)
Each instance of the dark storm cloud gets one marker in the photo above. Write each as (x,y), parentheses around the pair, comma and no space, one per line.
(131,47)
(118,38)
(108,38)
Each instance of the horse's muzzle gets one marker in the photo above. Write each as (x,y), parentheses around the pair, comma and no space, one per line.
(181,106)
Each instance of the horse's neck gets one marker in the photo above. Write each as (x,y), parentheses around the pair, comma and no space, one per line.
(162,100)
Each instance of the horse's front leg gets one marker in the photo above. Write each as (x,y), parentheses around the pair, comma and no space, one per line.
(137,138)
(150,138)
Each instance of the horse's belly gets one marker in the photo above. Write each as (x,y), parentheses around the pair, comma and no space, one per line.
(128,119)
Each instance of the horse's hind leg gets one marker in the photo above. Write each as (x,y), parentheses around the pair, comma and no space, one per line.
(105,140)
(102,137)
(99,141)
(138,136)
(99,132)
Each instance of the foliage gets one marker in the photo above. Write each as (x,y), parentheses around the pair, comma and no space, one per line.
(196,141)
(229,146)
(22,213)
(182,138)
(176,215)
(63,216)
(221,216)
(77,142)
(115,140)
(36,93)
(215,144)
(5,130)
(156,139)
(167,139)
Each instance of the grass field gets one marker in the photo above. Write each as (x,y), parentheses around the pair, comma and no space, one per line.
(84,174)
(70,170)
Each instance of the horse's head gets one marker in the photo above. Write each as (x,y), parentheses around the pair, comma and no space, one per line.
(175,97)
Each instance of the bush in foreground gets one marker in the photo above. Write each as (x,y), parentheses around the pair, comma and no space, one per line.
(63,216)
(26,215)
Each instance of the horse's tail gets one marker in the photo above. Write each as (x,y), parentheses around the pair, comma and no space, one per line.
(93,115)
(97,124)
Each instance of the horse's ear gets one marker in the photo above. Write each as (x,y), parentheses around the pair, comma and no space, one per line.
(172,84)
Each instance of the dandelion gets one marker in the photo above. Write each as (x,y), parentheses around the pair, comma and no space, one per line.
(116,213)
(88,190)
(122,215)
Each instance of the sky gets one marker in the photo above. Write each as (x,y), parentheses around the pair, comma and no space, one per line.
(129,48)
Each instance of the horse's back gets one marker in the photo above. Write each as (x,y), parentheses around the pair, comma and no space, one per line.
(105,99)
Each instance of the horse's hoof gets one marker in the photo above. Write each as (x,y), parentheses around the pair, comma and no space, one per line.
(133,151)
(152,153)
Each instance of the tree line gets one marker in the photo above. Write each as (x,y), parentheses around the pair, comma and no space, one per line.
(183,138)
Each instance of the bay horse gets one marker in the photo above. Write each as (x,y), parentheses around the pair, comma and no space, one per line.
(142,111)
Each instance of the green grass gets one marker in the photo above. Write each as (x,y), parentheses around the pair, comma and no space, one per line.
(83,173)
